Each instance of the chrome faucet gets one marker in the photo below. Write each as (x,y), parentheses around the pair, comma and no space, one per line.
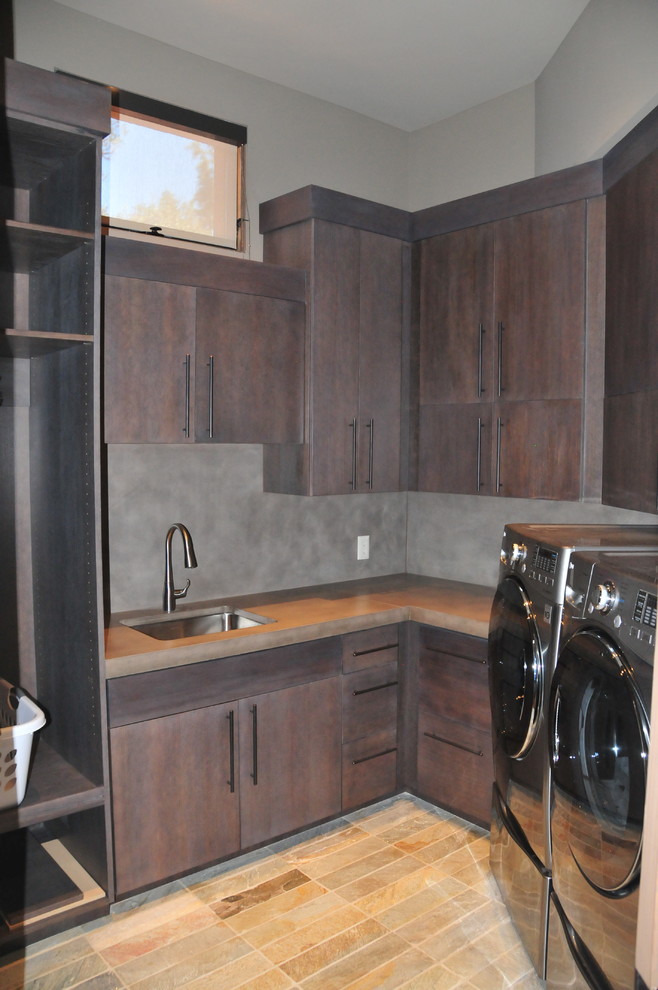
(171,593)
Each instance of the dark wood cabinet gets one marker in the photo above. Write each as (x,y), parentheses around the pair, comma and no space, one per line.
(370,715)
(454,756)
(630,451)
(223,768)
(502,350)
(354,415)
(51,615)
(175,794)
(199,347)
(149,349)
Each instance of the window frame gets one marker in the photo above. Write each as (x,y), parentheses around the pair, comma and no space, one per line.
(196,123)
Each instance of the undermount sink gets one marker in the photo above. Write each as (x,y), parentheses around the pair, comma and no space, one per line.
(197,623)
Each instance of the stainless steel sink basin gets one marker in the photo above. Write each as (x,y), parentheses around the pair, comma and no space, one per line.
(196,623)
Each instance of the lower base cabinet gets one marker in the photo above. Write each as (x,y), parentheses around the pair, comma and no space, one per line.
(197,786)
(455,763)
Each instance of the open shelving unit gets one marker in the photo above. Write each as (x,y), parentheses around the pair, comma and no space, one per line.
(51,621)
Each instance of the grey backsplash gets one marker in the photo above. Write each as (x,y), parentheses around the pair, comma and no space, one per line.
(246,540)
(250,541)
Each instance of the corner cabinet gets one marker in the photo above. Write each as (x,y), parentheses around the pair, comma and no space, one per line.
(228,753)
(630,453)
(502,356)
(201,347)
(357,310)
(55,844)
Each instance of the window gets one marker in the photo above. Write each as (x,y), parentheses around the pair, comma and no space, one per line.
(172,172)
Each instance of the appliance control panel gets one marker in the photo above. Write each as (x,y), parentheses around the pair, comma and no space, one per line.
(622,598)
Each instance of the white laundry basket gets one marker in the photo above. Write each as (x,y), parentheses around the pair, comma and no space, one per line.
(20,718)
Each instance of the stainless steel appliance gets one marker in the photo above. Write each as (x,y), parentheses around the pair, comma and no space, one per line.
(599,713)
(524,637)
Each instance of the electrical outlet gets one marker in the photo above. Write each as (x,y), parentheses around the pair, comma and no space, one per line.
(362,547)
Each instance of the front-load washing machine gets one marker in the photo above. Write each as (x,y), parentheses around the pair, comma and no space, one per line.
(524,636)
(598,720)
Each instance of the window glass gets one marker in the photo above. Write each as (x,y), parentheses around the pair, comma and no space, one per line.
(161,175)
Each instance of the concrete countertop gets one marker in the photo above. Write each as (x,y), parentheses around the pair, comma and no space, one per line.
(304,614)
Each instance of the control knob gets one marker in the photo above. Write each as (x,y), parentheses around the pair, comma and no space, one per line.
(605,597)
(518,553)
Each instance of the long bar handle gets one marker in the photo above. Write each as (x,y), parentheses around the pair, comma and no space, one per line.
(370,425)
(478,485)
(231,750)
(374,649)
(254,744)
(377,687)
(455,656)
(186,428)
(375,756)
(449,742)
(499,446)
(211,394)
(353,478)
(501,331)
(481,332)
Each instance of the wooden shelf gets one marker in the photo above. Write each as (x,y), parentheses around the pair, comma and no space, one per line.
(31,343)
(27,247)
(55,789)
(33,151)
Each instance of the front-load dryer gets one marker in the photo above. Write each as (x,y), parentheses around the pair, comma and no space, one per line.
(524,636)
(599,712)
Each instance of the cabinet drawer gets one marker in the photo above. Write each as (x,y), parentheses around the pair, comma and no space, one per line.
(455,685)
(455,767)
(369,768)
(370,648)
(370,701)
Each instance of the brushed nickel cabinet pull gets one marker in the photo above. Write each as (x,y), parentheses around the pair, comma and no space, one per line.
(449,742)
(364,759)
(454,656)
(370,425)
(499,447)
(186,428)
(373,649)
(501,387)
(481,332)
(254,744)
(231,748)
(377,687)
(353,478)
(211,394)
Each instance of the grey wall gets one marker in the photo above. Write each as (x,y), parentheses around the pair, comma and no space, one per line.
(602,80)
(245,540)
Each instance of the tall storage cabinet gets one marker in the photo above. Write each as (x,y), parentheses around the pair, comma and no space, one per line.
(51,617)
(358,265)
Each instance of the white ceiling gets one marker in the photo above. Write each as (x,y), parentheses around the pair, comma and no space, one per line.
(407,63)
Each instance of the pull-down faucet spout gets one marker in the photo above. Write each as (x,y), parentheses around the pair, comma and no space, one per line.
(171,593)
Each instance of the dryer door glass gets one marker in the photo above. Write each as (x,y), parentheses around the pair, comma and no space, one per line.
(515,669)
(599,748)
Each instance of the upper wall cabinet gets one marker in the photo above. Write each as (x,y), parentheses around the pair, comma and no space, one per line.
(201,347)
(630,462)
(355,344)
(502,356)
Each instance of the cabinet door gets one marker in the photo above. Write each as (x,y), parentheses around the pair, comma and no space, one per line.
(539,305)
(380,363)
(630,451)
(249,368)
(334,357)
(538,449)
(456,299)
(149,361)
(631,341)
(290,759)
(174,794)
(455,449)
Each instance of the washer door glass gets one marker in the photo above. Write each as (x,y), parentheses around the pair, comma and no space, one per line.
(516,679)
(600,742)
